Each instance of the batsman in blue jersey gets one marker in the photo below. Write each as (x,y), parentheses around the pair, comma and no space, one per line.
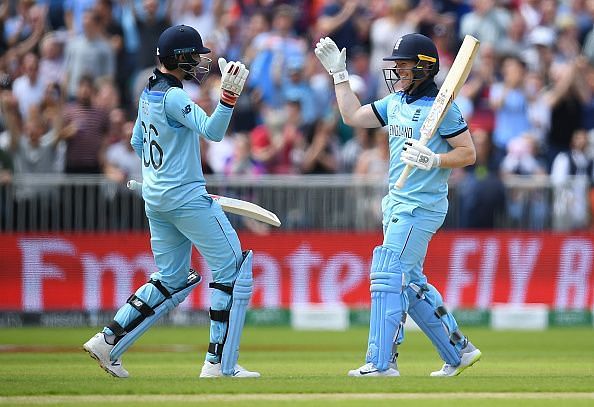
(413,214)
(180,211)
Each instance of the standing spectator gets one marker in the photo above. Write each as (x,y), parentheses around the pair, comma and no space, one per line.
(150,25)
(198,15)
(526,208)
(29,87)
(241,161)
(85,131)
(487,21)
(294,86)
(565,99)
(115,35)
(347,21)
(51,63)
(481,192)
(272,50)
(121,162)
(397,22)
(320,153)
(508,100)
(74,11)
(35,147)
(569,197)
(88,54)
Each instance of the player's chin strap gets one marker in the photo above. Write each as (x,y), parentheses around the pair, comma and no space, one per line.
(241,292)
(149,315)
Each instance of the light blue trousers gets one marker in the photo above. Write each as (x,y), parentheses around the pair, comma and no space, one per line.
(408,232)
(202,223)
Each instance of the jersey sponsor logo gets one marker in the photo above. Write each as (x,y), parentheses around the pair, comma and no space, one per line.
(417,115)
(186,110)
(397,130)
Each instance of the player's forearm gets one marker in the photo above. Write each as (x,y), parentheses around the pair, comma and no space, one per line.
(348,103)
(217,123)
(457,158)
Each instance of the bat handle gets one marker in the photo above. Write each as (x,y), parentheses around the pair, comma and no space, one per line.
(134,185)
(403,176)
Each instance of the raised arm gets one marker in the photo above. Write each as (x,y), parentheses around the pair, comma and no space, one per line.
(349,105)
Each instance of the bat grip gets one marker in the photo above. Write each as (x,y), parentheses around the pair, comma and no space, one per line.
(134,185)
(403,176)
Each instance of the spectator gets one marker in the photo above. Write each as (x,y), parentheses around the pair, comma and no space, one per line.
(374,161)
(121,162)
(481,192)
(354,148)
(150,25)
(51,63)
(88,54)
(242,162)
(525,207)
(385,30)
(346,21)
(272,50)
(570,199)
(115,36)
(510,104)
(319,149)
(35,147)
(565,100)
(86,127)
(294,86)
(74,14)
(29,87)
(487,21)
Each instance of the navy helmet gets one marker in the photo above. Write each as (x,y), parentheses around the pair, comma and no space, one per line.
(181,47)
(413,47)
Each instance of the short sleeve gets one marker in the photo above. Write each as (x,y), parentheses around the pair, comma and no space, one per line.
(453,123)
(380,108)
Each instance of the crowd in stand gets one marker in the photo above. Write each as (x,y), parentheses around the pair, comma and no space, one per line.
(71,72)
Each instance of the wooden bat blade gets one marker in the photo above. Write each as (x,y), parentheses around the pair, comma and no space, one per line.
(450,88)
(247,209)
(232,205)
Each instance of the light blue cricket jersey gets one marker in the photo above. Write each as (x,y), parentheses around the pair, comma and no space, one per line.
(166,137)
(404,116)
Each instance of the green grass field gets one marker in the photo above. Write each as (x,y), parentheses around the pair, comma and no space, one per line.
(47,366)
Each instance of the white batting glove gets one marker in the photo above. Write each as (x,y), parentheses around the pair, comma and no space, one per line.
(233,77)
(419,156)
(333,60)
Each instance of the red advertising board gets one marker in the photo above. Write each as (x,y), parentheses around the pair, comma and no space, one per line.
(471,269)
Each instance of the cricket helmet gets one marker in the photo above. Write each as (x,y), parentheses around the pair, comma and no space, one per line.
(413,47)
(181,47)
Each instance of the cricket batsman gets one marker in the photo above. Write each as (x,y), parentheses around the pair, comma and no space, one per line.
(413,214)
(180,211)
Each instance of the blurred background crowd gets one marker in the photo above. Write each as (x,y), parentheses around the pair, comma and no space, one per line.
(71,72)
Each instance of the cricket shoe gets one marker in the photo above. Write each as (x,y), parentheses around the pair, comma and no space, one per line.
(99,350)
(369,370)
(214,370)
(470,355)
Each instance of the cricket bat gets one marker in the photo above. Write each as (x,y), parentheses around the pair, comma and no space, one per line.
(232,205)
(452,84)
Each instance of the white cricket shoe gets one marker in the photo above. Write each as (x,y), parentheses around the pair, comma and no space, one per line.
(99,350)
(369,370)
(470,355)
(215,370)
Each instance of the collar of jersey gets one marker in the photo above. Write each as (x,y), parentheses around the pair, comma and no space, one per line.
(159,76)
(428,88)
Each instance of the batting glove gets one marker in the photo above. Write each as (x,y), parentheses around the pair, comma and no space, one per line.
(419,156)
(234,75)
(333,60)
